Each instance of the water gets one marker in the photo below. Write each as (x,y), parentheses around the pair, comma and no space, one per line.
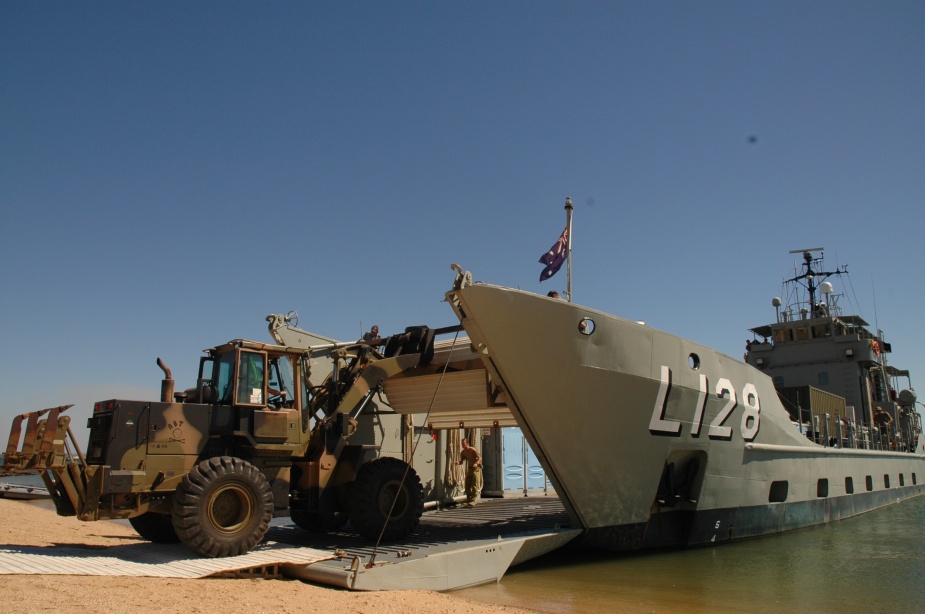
(871,563)
(25,480)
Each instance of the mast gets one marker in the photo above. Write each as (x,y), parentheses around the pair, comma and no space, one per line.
(812,278)
(568,246)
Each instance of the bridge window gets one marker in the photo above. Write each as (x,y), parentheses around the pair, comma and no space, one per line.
(782,335)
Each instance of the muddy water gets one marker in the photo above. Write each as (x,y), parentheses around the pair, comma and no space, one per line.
(871,563)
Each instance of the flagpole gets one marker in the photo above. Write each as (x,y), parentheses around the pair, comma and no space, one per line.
(568,224)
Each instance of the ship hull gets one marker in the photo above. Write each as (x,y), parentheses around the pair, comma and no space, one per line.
(654,441)
(691,528)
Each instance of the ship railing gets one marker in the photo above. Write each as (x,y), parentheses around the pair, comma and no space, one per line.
(860,437)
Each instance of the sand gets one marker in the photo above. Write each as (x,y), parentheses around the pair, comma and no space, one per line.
(24,524)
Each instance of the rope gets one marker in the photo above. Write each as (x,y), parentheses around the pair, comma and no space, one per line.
(414,448)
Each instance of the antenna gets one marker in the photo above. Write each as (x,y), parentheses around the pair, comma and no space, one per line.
(873,290)
(811,249)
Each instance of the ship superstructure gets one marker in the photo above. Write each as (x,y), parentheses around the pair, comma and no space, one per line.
(830,369)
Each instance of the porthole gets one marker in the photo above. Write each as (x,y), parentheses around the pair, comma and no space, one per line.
(886,480)
(778,491)
(849,486)
(586,326)
(822,487)
(902,480)
(869,483)
(693,361)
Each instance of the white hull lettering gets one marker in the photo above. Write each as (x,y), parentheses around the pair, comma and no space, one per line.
(659,424)
(717,430)
(701,405)
(750,417)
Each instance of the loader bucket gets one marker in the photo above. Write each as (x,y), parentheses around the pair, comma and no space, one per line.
(37,442)
(49,450)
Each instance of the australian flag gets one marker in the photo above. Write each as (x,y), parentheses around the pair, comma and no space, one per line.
(554,258)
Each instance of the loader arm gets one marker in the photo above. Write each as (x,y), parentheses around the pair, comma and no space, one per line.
(370,379)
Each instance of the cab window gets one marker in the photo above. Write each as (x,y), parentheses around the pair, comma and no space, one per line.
(252,368)
(223,378)
(280,383)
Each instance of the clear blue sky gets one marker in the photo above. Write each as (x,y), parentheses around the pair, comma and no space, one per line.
(172,172)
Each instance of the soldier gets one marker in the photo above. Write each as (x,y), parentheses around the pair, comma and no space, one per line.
(473,472)
(372,335)
(883,418)
(884,423)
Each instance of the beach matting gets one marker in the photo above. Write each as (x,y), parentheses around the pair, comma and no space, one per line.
(150,560)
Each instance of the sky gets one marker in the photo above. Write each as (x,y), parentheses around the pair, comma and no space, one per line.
(173,172)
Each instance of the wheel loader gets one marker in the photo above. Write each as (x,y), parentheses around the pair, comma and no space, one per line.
(210,466)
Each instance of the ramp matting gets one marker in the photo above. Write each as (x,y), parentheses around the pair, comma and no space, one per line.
(146,559)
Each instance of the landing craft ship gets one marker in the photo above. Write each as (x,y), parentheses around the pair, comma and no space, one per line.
(654,441)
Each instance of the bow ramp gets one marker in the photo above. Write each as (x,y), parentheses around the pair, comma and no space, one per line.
(451,548)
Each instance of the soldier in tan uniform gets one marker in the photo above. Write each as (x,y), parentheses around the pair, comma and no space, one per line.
(473,472)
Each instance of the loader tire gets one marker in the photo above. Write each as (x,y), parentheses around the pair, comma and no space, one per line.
(156,528)
(318,522)
(379,483)
(222,507)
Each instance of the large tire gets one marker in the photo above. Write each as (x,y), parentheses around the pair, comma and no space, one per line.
(371,496)
(318,522)
(223,507)
(157,528)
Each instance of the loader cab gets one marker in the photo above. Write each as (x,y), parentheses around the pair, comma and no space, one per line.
(237,375)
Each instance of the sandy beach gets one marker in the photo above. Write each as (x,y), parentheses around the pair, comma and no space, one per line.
(25,524)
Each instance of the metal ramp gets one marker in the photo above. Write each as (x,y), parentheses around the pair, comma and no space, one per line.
(451,548)
(23,491)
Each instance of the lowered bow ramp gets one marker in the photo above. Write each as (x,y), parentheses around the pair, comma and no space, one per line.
(450,549)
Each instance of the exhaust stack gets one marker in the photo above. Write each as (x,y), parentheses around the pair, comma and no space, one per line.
(166,383)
